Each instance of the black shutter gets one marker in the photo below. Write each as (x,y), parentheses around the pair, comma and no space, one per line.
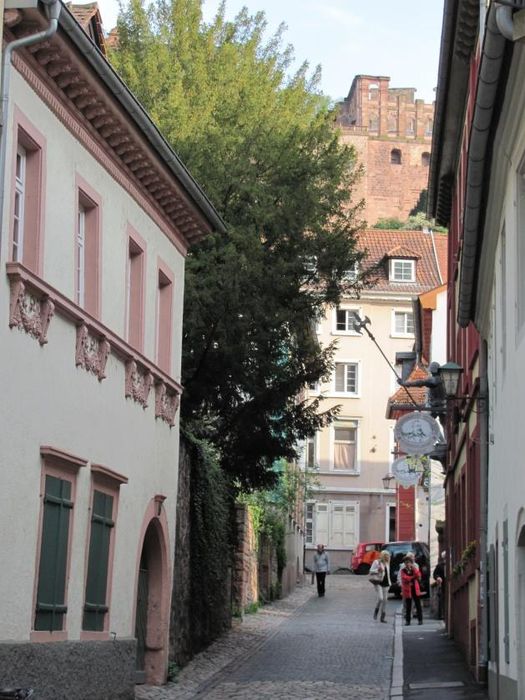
(50,606)
(95,606)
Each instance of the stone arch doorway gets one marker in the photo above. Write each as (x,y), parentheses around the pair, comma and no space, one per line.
(520,598)
(152,611)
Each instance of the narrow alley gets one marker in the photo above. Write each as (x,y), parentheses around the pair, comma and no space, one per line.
(300,647)
(305,648)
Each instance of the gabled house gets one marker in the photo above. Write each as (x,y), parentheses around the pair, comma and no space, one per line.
(97,216)
(351,457)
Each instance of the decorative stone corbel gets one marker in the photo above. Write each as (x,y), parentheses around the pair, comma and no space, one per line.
(138,383)
(29,312)
(91,352)
(166,404)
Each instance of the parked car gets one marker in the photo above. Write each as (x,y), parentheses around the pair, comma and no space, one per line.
(365,554)
(398,551)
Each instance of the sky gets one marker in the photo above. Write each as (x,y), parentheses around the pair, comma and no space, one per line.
(348,37)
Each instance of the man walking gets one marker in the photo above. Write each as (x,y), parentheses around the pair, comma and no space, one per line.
(321,568)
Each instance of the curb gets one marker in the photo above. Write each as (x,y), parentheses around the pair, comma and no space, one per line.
(396,687)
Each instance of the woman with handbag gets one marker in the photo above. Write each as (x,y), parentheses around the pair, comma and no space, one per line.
(410,589)
(380,576)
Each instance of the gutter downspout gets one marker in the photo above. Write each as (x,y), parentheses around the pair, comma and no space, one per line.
(483,515)
(488,84)
(52,10)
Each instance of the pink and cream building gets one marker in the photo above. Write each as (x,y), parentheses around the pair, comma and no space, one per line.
(349,503)
(98,215)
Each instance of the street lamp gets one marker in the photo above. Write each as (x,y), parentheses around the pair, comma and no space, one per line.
(450,374)
(387,479)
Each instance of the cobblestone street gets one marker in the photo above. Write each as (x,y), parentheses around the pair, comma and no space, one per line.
(301,648)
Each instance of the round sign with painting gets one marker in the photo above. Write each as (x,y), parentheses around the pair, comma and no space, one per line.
(417,433)
(405,473)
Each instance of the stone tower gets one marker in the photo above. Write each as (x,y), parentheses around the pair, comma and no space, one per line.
(391,132)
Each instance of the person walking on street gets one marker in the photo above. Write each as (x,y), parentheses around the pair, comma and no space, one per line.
(321,568)
(380,577)
(439,577)
(410,590)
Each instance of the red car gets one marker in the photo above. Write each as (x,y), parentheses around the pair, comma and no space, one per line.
(365,554)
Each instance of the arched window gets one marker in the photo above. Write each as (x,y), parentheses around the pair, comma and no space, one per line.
(373,122)
(411,126)
(395,156)
(428,127)
(425,159)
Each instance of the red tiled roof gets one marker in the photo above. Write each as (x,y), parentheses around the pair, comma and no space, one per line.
(441,243)
(401,252)
(88,16)
(83,13)
(405,397)
(419,244)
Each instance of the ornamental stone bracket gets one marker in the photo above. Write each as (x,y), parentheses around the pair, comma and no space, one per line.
(166,404)
(91,352)
(30,311)
(138,382)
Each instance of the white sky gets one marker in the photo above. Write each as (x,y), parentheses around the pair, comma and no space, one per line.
(396,38)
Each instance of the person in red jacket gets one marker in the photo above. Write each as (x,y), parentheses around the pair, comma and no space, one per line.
(410,590)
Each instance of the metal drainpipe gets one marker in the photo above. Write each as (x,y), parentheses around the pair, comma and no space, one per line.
(484,438)
(52,9)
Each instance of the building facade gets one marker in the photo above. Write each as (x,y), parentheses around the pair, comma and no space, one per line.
(391,132)
(97,216)
(477,185)
(349,503)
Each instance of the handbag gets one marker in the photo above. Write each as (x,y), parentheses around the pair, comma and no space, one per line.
(375,575)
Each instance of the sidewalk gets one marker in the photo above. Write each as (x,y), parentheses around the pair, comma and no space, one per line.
(428,665)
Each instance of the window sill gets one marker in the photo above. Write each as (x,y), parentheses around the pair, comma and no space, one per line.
(342,472)
(402,335)
(353,334)
(40,636)
(341,395)
(33,304)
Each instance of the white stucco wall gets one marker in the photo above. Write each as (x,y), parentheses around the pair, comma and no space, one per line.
(499,300)
(47,400)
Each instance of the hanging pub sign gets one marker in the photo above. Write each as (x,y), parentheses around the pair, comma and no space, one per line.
(416,433)
(405,473)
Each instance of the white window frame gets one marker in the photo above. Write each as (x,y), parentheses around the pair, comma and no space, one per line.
(329,508)
(80,255)
(315,441)
(352,274)
(349,311)
(388,508)
(345,505)
(344,422)
(404,263)
(20,194)
(347,394)
(402,334)
(309,519)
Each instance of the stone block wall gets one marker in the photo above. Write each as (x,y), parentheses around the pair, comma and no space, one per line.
(84,670)
(245,585)
(376,119)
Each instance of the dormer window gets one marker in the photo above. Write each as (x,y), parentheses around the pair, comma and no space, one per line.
(352,273)
(402,270)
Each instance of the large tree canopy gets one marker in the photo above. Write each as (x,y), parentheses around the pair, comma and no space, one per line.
(263,146)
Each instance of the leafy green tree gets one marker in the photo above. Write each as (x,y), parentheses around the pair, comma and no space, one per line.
(264,147)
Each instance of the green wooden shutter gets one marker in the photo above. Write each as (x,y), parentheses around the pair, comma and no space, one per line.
(95,607)
(50,606)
